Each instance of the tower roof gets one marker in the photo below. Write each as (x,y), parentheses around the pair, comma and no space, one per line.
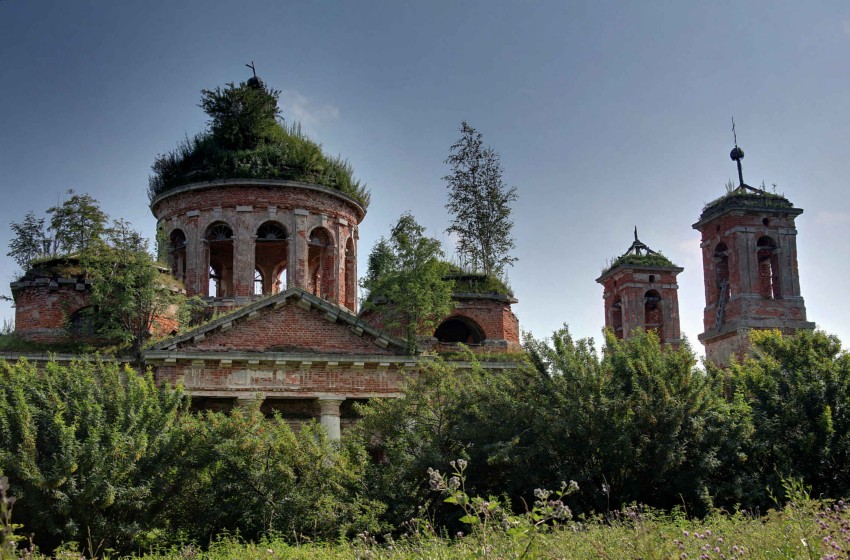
(638,255)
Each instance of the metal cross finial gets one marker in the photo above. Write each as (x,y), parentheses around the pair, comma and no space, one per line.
(734,134)
(254,70)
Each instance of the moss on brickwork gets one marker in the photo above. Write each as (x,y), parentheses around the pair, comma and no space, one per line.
(652,260)
(755,198)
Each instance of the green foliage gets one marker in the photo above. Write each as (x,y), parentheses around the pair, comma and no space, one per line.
(798,388)
(245,140)
(76,224)
(406,281)
(253,475)
(129,294)
(29,240)
(480,204)
(653,260)
(463,283)
(87,449)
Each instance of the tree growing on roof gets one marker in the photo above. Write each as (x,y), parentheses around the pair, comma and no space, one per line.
(480,204)
(406,281)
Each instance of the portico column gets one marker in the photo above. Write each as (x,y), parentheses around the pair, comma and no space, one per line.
(329,415)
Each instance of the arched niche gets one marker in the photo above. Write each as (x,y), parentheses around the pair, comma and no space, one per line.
(459,329)
(219,239)
(270,257)
(617,318)
(767,257)
(721,271)
(653,313)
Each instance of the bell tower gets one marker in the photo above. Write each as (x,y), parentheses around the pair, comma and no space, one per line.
(749,253)
(641,293)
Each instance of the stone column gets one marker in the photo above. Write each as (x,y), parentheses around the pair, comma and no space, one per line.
(329,415)
(243,252)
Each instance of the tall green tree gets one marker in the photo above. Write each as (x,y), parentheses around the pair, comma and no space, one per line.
(29,240)
(406,281)
(480,204)
(77,223)
(129,294)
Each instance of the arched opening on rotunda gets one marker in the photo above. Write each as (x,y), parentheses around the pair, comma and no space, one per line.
(271,254)
(177,253)
(219,238)
(320,264)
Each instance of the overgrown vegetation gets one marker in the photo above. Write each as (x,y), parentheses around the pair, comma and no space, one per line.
(131,298)
(246,140)
(650,260)
(406,282)
(101,457)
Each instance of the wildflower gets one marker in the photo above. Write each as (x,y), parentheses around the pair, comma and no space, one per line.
(461,464)
(574,486)
(454,483)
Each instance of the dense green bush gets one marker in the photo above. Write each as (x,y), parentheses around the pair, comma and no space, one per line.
(255,476)
(640,423)
(88,449)
(245,140)
(798,389)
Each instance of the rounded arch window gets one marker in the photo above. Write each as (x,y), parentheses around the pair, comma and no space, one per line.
(319,237)
(219,232)
(459,329)
(178,240)
(271,231)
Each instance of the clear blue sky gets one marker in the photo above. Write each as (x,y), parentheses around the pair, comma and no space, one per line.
(607,115)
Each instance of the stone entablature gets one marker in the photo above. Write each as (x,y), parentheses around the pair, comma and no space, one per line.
(291,234)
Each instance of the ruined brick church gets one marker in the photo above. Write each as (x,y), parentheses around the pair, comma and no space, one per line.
(277,261)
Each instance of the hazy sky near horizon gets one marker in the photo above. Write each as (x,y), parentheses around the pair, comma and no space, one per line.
(607,116)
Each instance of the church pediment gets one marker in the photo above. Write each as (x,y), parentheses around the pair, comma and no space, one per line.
(292,322)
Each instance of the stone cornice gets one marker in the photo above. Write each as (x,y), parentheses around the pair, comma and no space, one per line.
(219,183)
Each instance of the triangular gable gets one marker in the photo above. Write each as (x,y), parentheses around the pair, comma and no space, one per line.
(292,321)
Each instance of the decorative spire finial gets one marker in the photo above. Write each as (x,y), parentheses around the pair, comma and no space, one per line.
(636,233)
(737,154)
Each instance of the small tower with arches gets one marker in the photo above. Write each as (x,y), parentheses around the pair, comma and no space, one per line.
(641,292)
